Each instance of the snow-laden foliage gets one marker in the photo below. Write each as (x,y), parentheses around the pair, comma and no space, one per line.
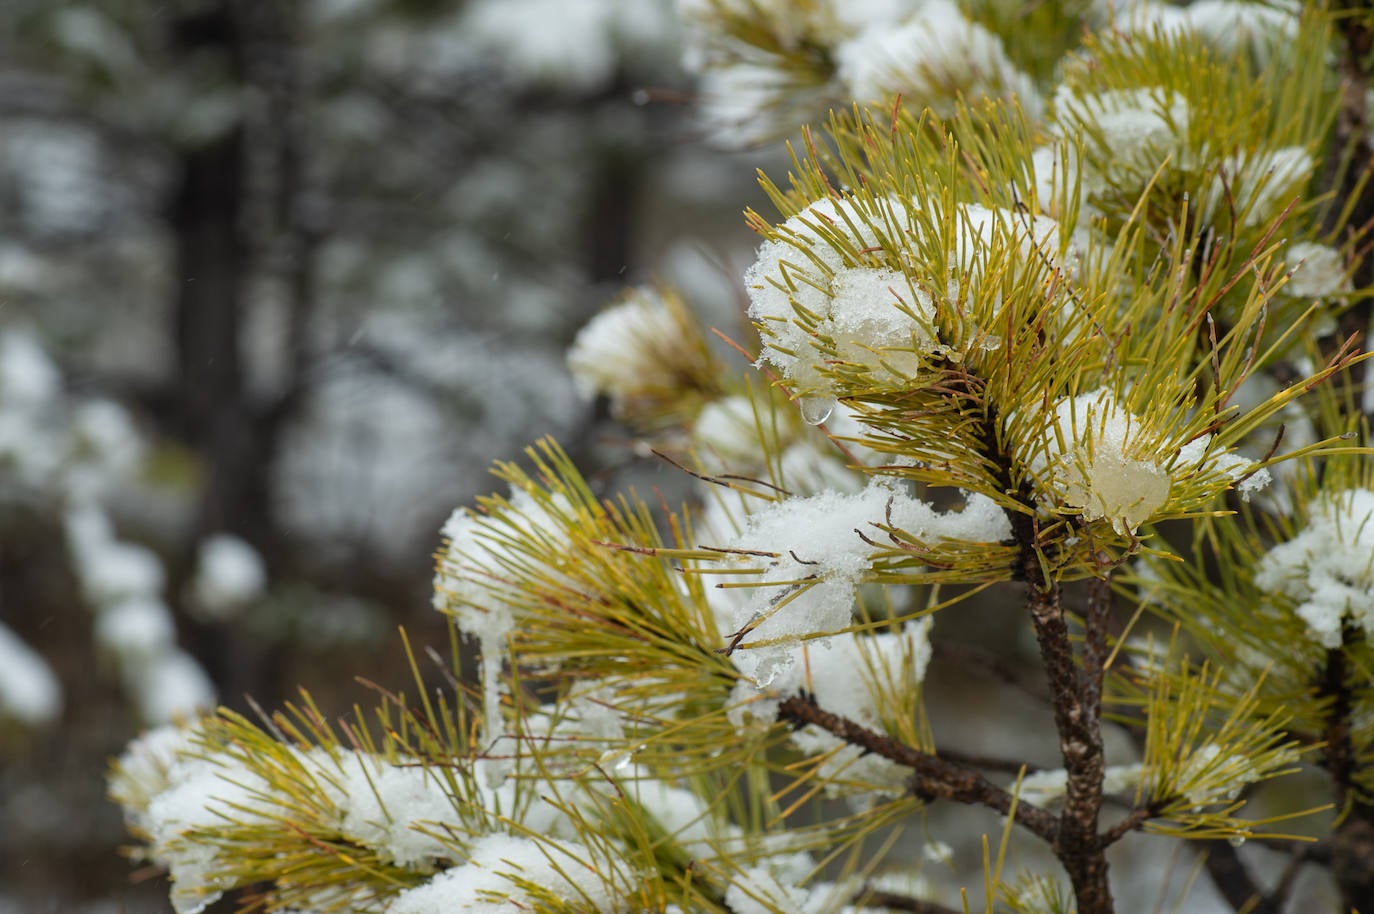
(1043,303)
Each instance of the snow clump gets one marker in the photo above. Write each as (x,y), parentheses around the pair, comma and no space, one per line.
(496,868)
(29,690)
(932,58)
(229,575)
(801,289)
(820,548)
(625,352)
(817,310)
(1328,567)
(1128,134)
(1318,271)
(478,577)
(1091,459)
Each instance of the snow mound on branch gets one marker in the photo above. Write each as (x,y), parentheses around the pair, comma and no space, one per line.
(817,550)
(1328,567)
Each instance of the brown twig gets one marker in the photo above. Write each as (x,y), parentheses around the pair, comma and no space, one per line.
(1134,819)
(933,777)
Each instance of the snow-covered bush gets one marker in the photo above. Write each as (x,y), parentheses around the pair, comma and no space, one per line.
(1030,330)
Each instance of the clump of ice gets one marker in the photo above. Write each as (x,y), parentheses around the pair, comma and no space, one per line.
(982,231)
(158,759)
(391,807)
(931,58)
(1092,457)
(474,576)
(726,434)
(807,469)
(802,286)
(768,888)
(854,676)
(1328,566)
(1200,457)
(1056,172)
(205,797)
(1211,775)
(758,891)
(868,315)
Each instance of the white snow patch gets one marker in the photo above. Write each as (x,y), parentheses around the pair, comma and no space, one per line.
(1328,567)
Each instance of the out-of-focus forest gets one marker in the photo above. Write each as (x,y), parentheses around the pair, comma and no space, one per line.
(278,280)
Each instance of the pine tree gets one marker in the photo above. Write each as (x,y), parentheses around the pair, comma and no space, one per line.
(1059,314)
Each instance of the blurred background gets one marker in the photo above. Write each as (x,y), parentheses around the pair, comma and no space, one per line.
(278,280)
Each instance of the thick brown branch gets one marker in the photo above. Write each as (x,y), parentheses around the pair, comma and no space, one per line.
(933,777)
(1096,622)
(1076,699)
(1080,744)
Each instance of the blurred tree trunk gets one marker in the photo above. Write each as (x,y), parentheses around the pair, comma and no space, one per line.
(214,412)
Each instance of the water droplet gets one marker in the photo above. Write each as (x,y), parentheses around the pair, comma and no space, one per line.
(1236,840)
(815,410)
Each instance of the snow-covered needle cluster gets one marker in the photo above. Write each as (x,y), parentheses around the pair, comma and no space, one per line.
(1046,306)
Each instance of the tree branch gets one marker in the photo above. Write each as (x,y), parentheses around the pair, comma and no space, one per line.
(933,776)
(1080,744)
(1077,700)
(1134,819)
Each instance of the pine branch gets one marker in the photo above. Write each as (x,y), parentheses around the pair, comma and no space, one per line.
(1136,818)
(1096,622)
(1077,703)
(1080,744)
(934,777)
